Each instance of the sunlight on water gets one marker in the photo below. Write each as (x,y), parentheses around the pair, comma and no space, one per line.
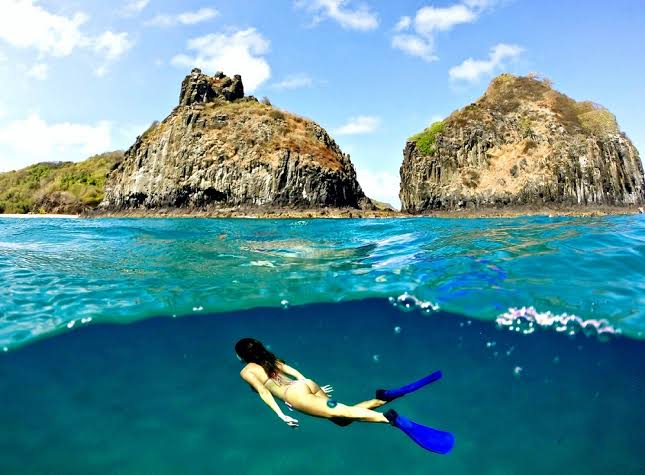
(59,275)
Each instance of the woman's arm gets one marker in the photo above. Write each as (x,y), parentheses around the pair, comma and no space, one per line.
(291,371)
(267,397)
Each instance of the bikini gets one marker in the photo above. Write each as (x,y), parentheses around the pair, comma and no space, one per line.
(282,381)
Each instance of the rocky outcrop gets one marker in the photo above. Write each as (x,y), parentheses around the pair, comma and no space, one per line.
(221,149)
(198,87)
(521,144)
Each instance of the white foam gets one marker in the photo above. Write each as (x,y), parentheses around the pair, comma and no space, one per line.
(527,320)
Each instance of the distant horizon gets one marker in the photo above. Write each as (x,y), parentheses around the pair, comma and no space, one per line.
(87,79)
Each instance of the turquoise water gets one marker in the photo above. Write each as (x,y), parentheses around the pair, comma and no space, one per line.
(537,324)
(163,396)
(61,273)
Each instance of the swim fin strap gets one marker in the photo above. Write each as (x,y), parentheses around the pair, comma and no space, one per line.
(392,394)
(430,439)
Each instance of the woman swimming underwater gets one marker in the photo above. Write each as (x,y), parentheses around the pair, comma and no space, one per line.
(273,379)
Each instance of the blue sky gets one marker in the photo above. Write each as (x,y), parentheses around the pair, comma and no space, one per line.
(80,77)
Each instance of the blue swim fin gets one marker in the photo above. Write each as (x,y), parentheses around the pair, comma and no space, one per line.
(430,439)
(392,394)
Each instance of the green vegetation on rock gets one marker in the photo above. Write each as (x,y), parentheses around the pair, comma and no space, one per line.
(427,139)
(57,187)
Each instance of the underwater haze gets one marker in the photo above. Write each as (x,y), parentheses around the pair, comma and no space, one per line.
(537,324)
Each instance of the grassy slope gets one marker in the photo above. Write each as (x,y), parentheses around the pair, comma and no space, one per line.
(62,187)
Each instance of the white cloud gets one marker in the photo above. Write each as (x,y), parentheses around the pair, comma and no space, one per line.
(3,110)
(23,24)
(133,7)
(415,46)
(293,81)
(3,57)
(32,140)
(358,17)
(38,71)
(429,20)
(238,52)
(186,18)
(362,124)
(420,31)
(403,23)
(113,45)
(380,185)
(473,69)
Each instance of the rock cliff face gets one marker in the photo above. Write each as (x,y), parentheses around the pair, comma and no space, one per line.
(221,149)
(521,144)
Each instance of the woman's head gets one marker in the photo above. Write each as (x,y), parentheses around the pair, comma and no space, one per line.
(250,350)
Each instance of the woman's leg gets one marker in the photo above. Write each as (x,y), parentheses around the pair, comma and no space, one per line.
(317,406)
(371,403)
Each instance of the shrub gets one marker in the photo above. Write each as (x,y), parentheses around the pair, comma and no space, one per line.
(83,182)
(277,114)
(427,139)
(525,127)
(265,100)
(596,119)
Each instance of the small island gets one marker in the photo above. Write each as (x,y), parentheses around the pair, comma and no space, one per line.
(523,148)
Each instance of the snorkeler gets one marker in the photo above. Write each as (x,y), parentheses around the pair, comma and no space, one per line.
(272,378)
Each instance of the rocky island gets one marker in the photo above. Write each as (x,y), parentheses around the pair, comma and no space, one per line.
(219,150)
(522,146)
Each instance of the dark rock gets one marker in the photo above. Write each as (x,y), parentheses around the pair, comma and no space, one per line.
(198,87)
(219,149)
(525,144)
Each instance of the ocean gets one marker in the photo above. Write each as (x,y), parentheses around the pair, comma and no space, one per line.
(117,335)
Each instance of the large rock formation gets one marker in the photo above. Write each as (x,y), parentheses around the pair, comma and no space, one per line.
(521,144)
(221,149)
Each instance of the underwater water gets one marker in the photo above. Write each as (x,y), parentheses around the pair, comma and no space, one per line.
(96,377)
(164,396)
(57,274)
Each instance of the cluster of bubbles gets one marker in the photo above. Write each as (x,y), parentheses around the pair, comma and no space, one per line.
(82,321)
(526,320)
(409,303)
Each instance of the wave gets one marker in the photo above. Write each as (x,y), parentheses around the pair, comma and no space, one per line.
(55,272)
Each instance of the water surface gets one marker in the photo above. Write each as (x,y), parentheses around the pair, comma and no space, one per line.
(62,273)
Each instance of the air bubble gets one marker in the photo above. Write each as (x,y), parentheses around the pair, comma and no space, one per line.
(284,303)
(526,320)
(198,309)
(397,330)
(376,358)
(406,302)
(517,371)
(71,324)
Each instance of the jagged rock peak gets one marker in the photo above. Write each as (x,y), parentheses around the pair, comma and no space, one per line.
(521,144)
(219,149)
(198,87)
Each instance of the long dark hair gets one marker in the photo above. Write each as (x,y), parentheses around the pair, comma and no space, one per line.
(251,350)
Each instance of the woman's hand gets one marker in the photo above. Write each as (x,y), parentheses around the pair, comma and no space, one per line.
(291,422)
(327,389)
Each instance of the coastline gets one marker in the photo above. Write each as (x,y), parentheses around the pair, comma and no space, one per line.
(341,213)
(45,215)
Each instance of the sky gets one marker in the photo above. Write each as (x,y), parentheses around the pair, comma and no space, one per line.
(80,77)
